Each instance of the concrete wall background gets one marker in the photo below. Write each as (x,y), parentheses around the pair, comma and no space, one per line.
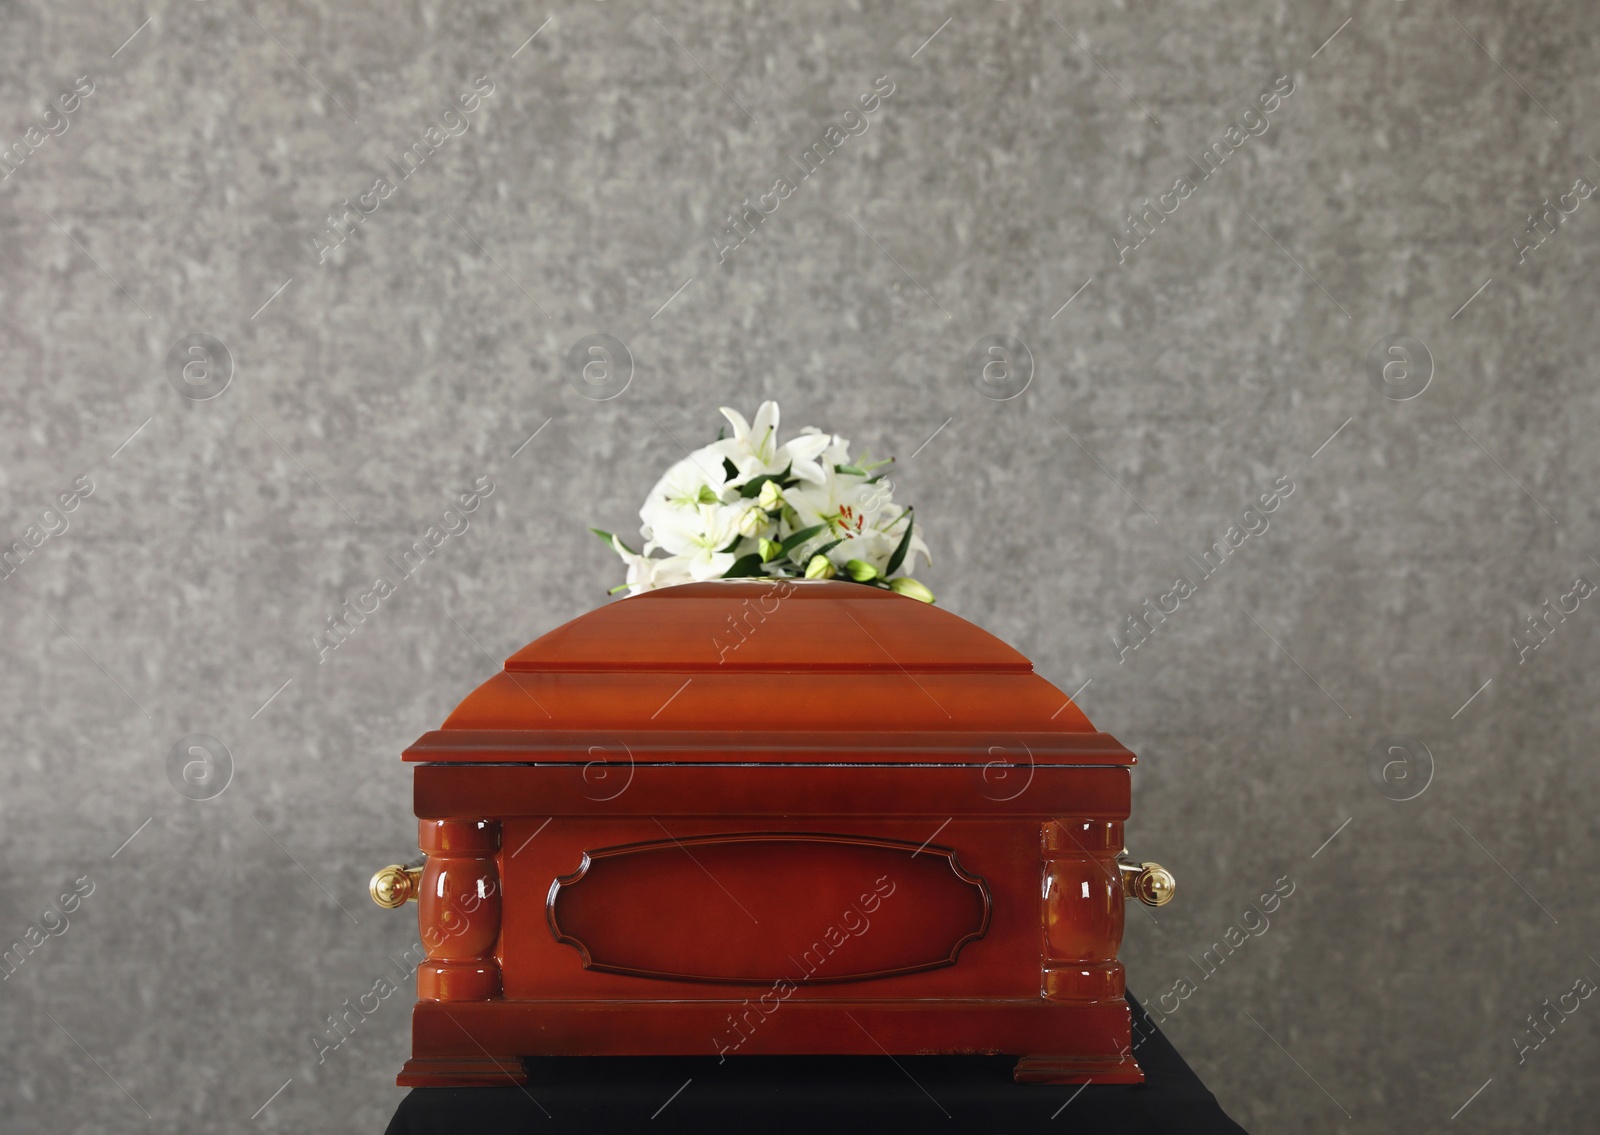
(1174,388)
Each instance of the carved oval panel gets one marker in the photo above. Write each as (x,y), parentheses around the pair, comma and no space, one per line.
(757,908)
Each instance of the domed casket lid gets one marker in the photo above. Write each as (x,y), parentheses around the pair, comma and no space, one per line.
(788,671)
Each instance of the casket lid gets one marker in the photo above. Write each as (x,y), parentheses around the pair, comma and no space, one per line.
(760,670)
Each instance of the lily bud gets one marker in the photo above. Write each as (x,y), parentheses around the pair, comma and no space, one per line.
(771,496)
(861,571)
(820,567)
(769,550)
(707,495)
(909,587)
(750,523)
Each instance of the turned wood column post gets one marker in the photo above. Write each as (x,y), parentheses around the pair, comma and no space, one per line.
(459,910)
(1082,910)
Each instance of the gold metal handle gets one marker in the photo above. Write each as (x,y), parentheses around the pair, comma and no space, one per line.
(1150,883)
(396,885)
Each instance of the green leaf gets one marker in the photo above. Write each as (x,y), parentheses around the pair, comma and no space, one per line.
(826,548)
(730,468)
(795,539)
(608,537)
(744,566)
(901,548)
(732,544)
(752,488)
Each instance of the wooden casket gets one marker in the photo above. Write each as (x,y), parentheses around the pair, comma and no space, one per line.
(769,817)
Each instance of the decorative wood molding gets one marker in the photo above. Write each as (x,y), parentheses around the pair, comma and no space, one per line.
(759,908)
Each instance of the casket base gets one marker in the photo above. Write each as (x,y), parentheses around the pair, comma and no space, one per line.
(454,1041)
(485,1072)
(1077,1070)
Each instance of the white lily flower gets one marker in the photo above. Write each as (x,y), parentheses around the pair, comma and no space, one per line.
(835,450)
(646,573)
(696,480)
(876,546)
(699,534)
(892,532)
(838,500)
(753,448)
(698,513)
(861,514)
(800,454)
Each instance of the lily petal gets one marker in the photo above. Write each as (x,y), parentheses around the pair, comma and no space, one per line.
(741,428)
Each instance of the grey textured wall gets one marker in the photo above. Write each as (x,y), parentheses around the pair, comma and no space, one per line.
(1229,348)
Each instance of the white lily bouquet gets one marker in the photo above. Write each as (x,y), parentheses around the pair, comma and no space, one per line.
(747,506)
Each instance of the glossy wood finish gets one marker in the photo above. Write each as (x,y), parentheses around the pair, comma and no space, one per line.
(860,790)
(863,826)
(1083,1041)
(791,703)
(458,910)
(1083,910)
(758,626)
(826,657)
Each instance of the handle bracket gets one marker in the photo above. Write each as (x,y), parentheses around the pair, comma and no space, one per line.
(397,884)
(1150,883)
